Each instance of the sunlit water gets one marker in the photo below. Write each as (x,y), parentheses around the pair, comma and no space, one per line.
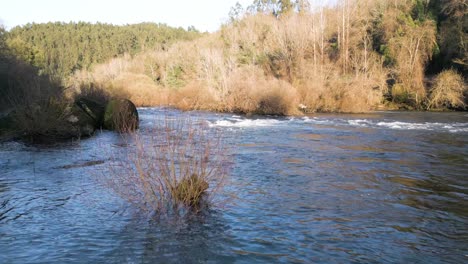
(375,188)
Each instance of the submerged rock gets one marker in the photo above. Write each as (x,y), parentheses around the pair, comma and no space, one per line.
(121,115)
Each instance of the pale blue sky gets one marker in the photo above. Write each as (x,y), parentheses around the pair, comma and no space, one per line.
(205,15)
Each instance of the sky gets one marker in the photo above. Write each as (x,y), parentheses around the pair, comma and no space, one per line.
(205,15)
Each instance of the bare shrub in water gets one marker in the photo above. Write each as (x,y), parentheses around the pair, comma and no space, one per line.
(180,164)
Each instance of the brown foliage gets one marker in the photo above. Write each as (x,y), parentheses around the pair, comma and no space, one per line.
(449,90)
(324,60)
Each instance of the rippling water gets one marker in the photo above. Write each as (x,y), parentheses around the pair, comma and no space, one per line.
(374,188)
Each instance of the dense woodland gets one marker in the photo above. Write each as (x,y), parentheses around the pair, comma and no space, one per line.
(59,48)
(355,56)
(272,57)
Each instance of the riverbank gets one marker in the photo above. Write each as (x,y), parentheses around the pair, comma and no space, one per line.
(8,133)
(67,120)
(352,57)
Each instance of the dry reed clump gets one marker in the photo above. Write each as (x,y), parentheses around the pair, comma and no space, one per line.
(358,98)
(449,90)
(249,91)
(139,88)
(327,90)
(241,90)
(193,96)
(178,165)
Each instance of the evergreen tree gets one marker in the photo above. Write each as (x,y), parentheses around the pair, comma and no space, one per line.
(59,48)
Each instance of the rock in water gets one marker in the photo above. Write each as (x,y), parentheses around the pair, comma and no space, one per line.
(83,125)
(86,116)
(92,109)
(121,115)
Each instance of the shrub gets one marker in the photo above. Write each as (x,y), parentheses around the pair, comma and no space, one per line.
(177,165)
(249,91)
(280,98)
(91,91)
(39,108)
(448,91)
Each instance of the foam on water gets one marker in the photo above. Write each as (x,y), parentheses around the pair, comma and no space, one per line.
(245,123)
(238,122)
(398,125)
(147,116)
(393,124)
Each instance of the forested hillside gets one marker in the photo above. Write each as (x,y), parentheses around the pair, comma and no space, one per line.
(270,58)
(273,56)
(60,48)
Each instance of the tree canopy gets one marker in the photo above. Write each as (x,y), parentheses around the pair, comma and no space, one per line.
(61,48)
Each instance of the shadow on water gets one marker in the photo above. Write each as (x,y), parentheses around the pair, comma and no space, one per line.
(159,240)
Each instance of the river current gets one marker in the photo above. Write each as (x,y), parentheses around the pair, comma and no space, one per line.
(385,187)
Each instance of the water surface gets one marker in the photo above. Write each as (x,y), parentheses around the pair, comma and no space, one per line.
(375,188)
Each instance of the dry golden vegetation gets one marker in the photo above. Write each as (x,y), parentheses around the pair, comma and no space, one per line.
(448,91)
(328,59)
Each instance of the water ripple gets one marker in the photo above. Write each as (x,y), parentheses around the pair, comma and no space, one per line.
(373,188)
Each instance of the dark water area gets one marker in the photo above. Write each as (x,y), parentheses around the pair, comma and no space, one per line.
(387,187)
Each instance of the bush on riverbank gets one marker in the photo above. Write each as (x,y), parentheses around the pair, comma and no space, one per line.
(38,109)
(448,91)
(35,104)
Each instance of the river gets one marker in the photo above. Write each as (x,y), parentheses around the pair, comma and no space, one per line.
(385,187)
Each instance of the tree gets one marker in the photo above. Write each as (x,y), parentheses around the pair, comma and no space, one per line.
(236,12)
(408,42)
(453,34)
(302,6)
(285,7)
(60,48)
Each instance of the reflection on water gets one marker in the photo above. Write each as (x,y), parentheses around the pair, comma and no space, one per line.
(374,188)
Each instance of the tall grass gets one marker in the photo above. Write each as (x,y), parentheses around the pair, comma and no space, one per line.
(175,166)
